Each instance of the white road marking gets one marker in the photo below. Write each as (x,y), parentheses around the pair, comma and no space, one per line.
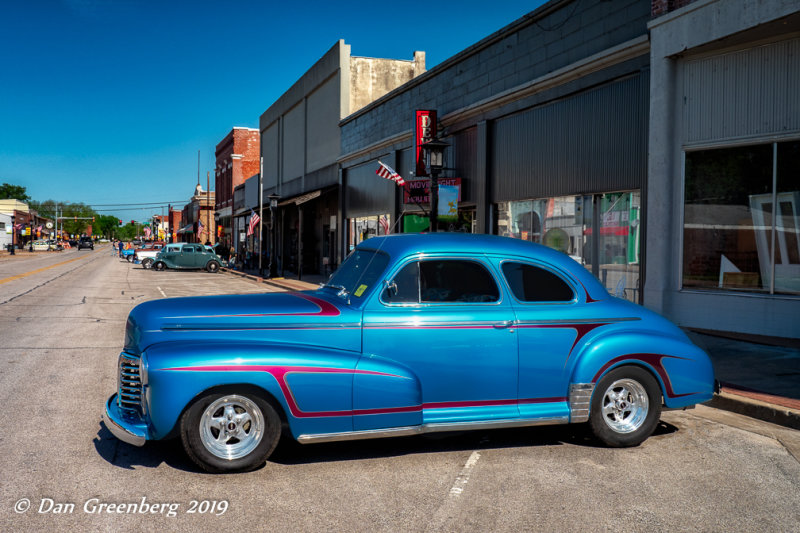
(463,477)
(162,292)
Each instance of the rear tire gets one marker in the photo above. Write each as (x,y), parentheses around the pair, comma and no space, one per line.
(626,407)
(147,262)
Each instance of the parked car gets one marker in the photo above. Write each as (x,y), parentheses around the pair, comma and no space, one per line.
(147,254)
(186,256)
(85,242)
(39,246)
(412,334)
(127,252)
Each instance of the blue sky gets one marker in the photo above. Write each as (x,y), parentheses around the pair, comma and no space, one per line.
(109,101)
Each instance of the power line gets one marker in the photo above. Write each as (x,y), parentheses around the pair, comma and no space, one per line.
(142,204)
(130,208)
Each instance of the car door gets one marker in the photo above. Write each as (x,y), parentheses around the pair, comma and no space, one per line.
(549,325)
(188,256)
(171,255)
(448,322)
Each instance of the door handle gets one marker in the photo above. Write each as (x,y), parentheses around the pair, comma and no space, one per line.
(504,324)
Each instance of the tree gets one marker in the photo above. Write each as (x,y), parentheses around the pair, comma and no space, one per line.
(105,225)
(14,192)
(71,213)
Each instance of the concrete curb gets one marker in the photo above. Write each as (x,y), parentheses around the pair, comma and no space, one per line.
(768,412)
(288,285)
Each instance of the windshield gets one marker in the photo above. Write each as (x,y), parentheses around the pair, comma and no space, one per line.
(359,272)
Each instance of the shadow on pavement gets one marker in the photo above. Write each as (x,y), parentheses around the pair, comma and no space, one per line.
(290,452)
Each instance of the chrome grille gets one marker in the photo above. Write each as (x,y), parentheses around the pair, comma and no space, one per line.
(130,384)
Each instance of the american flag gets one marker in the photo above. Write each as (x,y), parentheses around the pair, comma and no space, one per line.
(385,171)
(200,227)
(254,219)
(384,222)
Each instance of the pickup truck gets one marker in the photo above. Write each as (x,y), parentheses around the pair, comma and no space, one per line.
(147,255)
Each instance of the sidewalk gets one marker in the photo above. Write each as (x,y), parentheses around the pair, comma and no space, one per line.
(760,376)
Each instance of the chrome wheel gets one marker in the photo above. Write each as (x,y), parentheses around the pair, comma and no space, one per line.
(625,406)
(231,427)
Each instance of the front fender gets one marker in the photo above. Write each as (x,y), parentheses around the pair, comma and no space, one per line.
(683,370)
(313,386)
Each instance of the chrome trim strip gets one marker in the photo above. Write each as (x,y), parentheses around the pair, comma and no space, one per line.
(578,321)
(258,326)
(434,324)
(428,428)
(580,401)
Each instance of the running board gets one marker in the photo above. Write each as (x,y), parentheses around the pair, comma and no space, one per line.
(435,427)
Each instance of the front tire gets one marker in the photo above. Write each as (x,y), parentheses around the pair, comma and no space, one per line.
(230,432)
(212,267)
(626,406)
(159,266)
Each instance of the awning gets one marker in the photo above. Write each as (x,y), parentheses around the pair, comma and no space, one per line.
(303,198)
(187,229)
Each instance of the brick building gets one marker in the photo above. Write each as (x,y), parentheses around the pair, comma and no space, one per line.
(238,158)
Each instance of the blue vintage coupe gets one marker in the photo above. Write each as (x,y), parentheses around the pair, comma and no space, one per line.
(412,334)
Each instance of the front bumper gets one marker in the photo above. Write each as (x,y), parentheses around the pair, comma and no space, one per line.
(127,429)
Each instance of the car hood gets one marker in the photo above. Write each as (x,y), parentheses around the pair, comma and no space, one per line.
(308,317)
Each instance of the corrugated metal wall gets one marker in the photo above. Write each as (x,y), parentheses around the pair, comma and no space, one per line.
(366,193)
(592,141)
(464,161)
(746,93)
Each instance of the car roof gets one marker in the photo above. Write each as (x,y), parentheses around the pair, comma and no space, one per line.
(406,244)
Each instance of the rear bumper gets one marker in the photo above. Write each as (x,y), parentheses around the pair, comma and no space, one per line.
(127,429)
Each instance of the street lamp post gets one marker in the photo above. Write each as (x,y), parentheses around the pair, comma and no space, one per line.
(434,152)
(13,234)
(273,205)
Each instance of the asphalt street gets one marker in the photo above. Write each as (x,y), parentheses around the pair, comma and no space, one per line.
(62,318)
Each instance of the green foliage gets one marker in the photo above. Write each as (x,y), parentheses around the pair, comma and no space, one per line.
(15,192)
(126,232)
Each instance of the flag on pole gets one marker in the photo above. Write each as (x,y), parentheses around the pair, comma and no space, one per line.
(384,222)
(254,219)
(385,171)
(200,227)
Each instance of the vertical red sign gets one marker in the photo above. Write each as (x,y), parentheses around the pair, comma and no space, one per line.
(425,130)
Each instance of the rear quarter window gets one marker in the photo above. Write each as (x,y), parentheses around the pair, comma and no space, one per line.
(530,283)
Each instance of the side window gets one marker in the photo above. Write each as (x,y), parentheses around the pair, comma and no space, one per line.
(533,284)
(188,249)
(406,288)
(456,281)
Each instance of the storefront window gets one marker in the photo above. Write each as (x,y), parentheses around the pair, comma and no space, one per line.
(568,224)
(729,226)
(362,228)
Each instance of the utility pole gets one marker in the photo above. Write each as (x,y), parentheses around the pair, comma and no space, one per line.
(260,216)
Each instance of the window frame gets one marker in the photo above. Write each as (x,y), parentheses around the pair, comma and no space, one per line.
(773,142)
(482,261)
(566,278)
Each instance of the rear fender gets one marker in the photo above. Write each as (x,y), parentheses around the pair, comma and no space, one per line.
(313,386)
(684,371)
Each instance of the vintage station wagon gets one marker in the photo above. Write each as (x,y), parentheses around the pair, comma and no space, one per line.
(412,334)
